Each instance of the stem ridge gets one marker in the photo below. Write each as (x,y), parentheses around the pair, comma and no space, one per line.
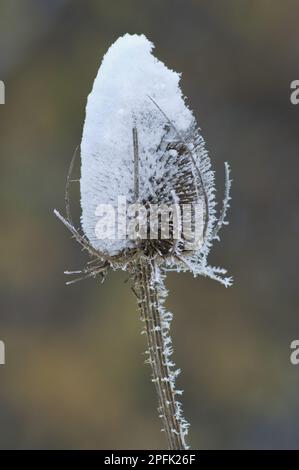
(151,294)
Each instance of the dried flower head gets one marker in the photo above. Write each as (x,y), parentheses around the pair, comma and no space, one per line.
(141,143)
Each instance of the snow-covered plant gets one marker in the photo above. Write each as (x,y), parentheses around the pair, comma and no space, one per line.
(141,142)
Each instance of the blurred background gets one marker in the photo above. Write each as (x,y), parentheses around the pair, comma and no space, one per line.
(74,376)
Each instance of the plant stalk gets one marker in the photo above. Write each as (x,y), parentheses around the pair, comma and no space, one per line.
(149,291)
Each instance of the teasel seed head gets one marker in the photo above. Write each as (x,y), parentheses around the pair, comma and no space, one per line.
(136,93)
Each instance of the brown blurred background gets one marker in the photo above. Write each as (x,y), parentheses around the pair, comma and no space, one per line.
(74,376)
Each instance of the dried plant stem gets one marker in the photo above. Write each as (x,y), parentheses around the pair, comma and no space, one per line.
(150,295)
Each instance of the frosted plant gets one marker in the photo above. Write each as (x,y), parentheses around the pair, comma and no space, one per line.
(141,142)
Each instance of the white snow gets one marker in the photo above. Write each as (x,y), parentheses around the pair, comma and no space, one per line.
(129,74)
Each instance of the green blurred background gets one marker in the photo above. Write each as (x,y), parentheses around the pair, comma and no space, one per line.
(75,376)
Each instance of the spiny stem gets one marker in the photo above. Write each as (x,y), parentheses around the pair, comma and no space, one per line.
(150,299)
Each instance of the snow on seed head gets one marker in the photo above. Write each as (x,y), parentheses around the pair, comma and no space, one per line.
(134,90)
(128,76)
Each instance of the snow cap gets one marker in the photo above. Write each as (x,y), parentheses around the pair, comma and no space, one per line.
(129,76)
